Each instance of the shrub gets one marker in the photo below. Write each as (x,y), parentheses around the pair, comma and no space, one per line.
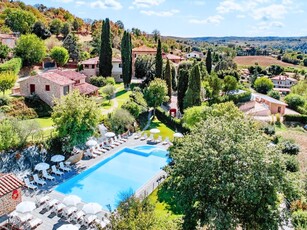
(4,100)
(299,219)
(41,108)
(269,130)
(14,65)
(275,94)
(97,81)
(237,98)
(263,85)
(288,147)
(121,120)
(171,122)
(133,108)
(295,118)
(294,101)
(277,116)
(109,81)
(292,164)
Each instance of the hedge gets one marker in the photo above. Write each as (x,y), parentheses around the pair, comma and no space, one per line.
(169,121)
(14,65)
(237,98)
(296,118)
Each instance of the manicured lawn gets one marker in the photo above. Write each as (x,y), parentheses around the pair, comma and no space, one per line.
(164,130)
(106,104)
(45,122)
(122,96)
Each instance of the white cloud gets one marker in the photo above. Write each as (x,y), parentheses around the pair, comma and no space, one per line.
(80,3)
(229,5)
(275,11)
(105,4)
(216,19)
(160,13)
(147,3)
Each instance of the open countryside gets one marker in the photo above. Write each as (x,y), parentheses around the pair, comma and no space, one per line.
(154,115)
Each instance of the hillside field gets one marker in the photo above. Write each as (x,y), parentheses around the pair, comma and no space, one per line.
(263,61)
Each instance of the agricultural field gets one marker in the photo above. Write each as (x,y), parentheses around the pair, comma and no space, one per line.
(263,61)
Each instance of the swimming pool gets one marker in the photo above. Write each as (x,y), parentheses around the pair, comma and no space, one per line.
(126,170)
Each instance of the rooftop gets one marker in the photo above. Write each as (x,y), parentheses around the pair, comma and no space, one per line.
(283,78)
(71,74)
(8,183)
(56,78)
(172,57)
(85,88)
(269,99)
(144,49)
(95,60)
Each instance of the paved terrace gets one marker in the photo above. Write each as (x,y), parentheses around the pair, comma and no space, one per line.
(52,221)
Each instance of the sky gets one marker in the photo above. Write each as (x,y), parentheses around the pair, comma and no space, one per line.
(196,18)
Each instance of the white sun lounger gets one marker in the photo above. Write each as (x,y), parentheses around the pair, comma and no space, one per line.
(29,184)
(90,154)
(118,140)
(49,204)
(38,180)
(42,200)
(34,223)
(64,168)
(77,216)
(121,138)
(137,135)
(68,211)
(56,171)
(47,176)
(101,149)
(159,139)
(88,220)
(112,142)
(166,141)
(144,137)
(58,208)
(150,138)
(96,151)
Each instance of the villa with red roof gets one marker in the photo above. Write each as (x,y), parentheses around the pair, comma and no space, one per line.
(174,58)
(90,68)
(283,83)
(55,84)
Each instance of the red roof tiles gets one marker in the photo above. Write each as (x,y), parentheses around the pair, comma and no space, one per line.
(95,60)
(71,74)
(283,78)
(57,78)
(8,183)
(85,88)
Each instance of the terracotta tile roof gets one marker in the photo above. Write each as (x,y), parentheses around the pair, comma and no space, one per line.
(282,89)
(95,60)
(8,183)
(71,74)
(172,57)
(269,99)
(283,78)
(144,49)
(56,78)
(5,36)
(85,88)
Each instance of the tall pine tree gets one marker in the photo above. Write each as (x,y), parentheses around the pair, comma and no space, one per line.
(159,60)
(168,79)
(71,44)
(193,97)
(126,52)
(209,62)
(105,57)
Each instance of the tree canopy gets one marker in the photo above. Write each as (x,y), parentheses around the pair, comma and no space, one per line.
(159,60)
(75,117)
(238,177)
(168,78)
(4,51)
(40,30)
(209,61)
(121,120)
(30,49)
(71,44)
(263,85)
(7,81)
(126,54)
(60,55)
(19,20)
(105,56)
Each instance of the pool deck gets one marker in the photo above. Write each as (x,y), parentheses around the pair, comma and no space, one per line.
(52,221)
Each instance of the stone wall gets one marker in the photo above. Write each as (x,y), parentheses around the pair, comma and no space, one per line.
(7,204)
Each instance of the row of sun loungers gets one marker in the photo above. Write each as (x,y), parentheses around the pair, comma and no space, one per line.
(39,181)
(144,137)
(26,220)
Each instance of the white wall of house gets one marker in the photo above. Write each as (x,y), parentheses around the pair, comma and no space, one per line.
(193,55)
(283,83)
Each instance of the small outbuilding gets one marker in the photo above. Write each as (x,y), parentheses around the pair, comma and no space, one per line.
(10,193)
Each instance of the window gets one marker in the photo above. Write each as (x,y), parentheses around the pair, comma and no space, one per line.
(120,65)
(77,81)
(121,76)
(86,66)
(66,90)
(47,87)
(93,66)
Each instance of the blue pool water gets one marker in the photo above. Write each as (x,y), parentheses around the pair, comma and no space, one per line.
(126,170)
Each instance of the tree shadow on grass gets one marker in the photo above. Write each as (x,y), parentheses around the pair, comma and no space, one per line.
(120,93)
(167,196)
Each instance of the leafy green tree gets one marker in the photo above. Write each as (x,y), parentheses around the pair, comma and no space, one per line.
(71,44)
(238,177)
(275,94)
(60,55)
(40,30)
(275,69)
(105,56)
(126,54)
(159,60)
(121,120)
(25,129)
(183,81)
(4,51)
(7,81)
(168,79)
(76,25)
(295,101)
(215,86)
(133,108)
(120,24)
(305,62)
(75,117)
(156,93)
(192,96)
(66,29)
(109,90)
(263,85)
(156,35)
(19,20)
(55,26)
(8,136)
(30,49)
(230,83)
(209,61)
(144,64)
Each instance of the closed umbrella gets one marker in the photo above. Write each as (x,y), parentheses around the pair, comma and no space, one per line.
(57,158)
(154,131)
(109,134)
(68,227)
(179,135)
(25,206)
(91,143)
(92,208)
(71,200)
(42,166)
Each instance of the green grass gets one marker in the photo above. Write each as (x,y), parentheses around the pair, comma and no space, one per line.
(122,96)
(164,130)
(106,104)
(44,122)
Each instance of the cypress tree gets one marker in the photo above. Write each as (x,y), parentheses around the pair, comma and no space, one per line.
(126,58)
(159,60)
(209,62)
(130,52)
(182,87)
(105,57)
(168,79)
(192,97)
